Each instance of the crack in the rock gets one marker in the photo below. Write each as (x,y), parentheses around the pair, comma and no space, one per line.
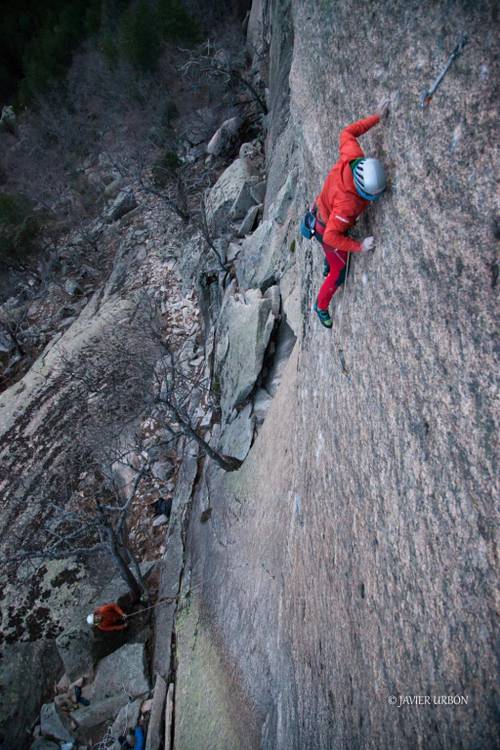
(185,523)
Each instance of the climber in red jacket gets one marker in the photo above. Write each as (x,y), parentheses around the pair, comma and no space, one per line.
(352,183)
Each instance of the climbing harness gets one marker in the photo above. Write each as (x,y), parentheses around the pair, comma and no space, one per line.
(427,95)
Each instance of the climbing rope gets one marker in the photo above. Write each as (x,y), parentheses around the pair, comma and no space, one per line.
(167,600)
(427,95)
(343,366)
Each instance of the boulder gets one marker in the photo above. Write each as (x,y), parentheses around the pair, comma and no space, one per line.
(75,649)
(99,712)
(122,672)
(155,728)
(225,137)
(245,329)
(225,192)
(237,437)
(124,203)
(54,724)
(244,200)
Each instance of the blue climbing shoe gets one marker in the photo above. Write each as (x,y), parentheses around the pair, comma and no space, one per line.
(323,315)
(326,268)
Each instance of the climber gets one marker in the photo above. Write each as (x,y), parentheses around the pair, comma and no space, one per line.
(352,183)
(108,617)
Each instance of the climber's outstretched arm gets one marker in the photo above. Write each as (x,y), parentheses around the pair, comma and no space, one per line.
(349,146)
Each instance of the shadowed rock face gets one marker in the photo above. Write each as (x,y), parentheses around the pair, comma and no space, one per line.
(352,557)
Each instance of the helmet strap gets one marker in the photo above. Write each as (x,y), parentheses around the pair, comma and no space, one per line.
(354,162)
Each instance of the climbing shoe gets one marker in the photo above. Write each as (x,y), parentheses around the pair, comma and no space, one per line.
(326,268)
(323,315)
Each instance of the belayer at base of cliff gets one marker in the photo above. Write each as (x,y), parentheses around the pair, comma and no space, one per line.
(351,185)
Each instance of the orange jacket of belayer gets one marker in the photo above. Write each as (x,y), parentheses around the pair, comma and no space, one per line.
(339,204)
(112,617)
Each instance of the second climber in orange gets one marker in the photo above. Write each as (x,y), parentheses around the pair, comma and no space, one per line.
(352,183)
(108,617)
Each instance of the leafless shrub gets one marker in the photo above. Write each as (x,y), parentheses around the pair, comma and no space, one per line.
(216,62)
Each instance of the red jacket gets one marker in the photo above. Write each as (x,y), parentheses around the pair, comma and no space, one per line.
(339,204)
(112,617)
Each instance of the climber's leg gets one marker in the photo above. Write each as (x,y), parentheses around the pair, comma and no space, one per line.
(337,261)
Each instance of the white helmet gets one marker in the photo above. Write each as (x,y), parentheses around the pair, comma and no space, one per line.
(369,178)
(90,619)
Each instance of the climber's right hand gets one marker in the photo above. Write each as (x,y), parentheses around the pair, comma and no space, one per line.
(368,244)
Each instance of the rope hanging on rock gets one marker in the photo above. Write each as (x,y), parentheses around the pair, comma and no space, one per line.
(167,600)
(343,366)
(427,95)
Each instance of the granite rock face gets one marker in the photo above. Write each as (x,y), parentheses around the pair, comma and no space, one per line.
(352,557)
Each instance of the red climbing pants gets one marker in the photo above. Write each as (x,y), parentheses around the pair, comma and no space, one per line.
(337,261)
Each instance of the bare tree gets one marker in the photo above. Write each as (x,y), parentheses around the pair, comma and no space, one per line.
(213,61)
(78,526)
(174,393)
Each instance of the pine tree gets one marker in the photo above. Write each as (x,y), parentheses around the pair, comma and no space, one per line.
(139,36)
